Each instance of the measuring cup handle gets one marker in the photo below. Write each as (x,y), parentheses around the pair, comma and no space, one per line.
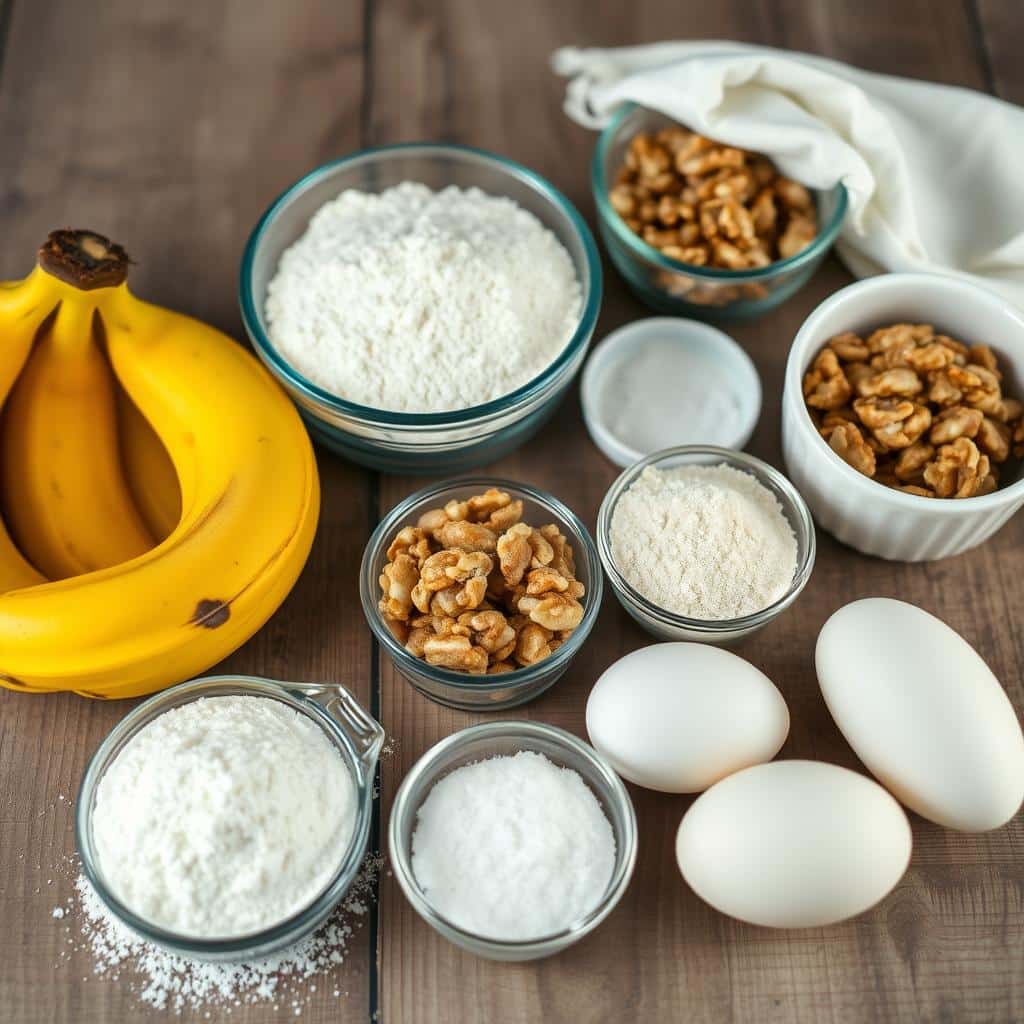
(364,732)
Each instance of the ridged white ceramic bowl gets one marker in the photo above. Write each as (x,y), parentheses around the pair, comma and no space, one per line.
(866,515)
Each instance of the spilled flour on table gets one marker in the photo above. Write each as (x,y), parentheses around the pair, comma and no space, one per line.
(167,981)
(288,980)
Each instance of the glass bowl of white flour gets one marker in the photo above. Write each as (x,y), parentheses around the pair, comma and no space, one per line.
(425,305)
(706,544)
(545,856)
(225,818)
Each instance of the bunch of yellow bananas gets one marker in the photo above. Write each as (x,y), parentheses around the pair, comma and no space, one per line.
(159,490)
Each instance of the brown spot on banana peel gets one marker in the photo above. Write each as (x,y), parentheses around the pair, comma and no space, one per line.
(34,311)
(16,684)
(210,614)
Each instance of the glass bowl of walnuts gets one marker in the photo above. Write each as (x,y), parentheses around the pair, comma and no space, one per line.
(481,591)
(902,419)
(701,229)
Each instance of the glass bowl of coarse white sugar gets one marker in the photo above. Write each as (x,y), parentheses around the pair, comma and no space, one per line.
(513,839)
(225,818)
(705,544)
(425,305)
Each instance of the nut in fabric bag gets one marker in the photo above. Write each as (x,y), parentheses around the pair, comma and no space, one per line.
(710,205)
(473,588)
(915,410)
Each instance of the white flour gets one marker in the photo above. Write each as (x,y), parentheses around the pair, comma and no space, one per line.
(705,542)
(420,301)
(513,847)
(223,816)
(288,980)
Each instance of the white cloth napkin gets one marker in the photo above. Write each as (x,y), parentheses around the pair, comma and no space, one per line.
(934,173)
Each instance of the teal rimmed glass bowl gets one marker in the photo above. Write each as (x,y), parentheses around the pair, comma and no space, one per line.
(420,442)
(682,289)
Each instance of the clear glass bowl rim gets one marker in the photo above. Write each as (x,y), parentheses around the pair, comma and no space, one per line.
(380,538)
(607,213)
(291,928)
(739,460)
(383,417)
(626,845)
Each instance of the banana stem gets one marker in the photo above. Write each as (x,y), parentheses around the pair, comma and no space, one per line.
(73,333)
(84,259)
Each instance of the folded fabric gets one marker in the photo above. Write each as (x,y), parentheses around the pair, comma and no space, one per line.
(932,171)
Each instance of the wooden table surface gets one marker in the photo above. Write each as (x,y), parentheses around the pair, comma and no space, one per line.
(170,126)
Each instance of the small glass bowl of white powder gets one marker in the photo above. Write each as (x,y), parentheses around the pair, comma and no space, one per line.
(547,832)
(225,818)
(705,544)
(425,305)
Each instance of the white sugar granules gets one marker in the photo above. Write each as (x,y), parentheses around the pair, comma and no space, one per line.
(420,301)
(705,542)
(513,847)
(223,816)
(170,982)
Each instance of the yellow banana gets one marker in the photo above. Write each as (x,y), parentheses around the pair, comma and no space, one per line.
(18,327)
(65,498)
(148,470)
(249,500)
(15,572)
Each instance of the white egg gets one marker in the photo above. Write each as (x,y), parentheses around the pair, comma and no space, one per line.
(923,712)
(678,717)
(793,844)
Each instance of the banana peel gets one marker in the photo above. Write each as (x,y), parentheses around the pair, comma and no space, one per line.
(110,620)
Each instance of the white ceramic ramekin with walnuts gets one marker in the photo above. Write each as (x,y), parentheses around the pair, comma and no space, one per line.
(868,515)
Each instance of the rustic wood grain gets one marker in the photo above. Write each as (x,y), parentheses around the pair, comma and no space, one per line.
(999,28)
(169,127)
(946,944)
